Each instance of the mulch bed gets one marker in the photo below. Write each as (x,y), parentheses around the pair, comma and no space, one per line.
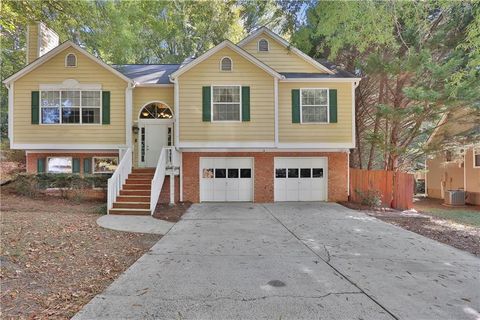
(55,258)
(457,235)
(171,213)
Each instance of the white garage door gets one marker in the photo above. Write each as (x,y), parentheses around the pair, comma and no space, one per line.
(226,179)
(300,179)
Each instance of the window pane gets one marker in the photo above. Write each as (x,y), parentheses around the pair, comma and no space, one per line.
(105,165)
(91,98)
(207,173)
(280,173)
(477,159)
(59,165)
(70,115)
(320,97)
(317,172)
(226,94)
(226,64)
(220,173)
(70,98)
(226,112)
(305,173)
(90,115)
(314,114)
(233,173)
(50,99)
(50,115)
(245,173)
(293,173)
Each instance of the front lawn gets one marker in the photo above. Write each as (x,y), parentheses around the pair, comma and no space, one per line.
(469,215)
(55,258)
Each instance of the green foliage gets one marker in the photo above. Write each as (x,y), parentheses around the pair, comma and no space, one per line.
(370,198)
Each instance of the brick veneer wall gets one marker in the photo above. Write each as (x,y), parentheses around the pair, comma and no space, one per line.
(32,157)
(165,193)
(263,173)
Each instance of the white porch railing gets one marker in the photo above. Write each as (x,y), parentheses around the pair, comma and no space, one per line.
(118,178)
(169,159)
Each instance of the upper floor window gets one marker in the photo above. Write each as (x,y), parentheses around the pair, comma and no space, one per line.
(314,105)
(226,64)
(263,45)
(476,158)
(70,107)
(71,60)
(226,103)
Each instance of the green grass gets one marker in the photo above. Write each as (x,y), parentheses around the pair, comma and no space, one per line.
(463,216)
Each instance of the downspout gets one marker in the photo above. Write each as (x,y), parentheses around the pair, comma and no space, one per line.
(275,92)
(176,129)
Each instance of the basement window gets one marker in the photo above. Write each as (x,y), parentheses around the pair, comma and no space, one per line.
(59,165)
(105,164)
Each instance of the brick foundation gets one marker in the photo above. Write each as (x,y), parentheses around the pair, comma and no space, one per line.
(264,175)
(165,193)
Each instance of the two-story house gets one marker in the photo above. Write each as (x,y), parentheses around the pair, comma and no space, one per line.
(254,121)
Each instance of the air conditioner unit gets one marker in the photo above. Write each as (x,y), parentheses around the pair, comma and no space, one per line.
(455,197)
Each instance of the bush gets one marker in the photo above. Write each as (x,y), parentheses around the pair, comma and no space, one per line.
(70,185)
(370,198)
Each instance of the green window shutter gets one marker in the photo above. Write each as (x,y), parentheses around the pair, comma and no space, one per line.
(295,106)
(87,165)
(41,165)
(105,107)
(76,165)
(35,107)
(245,103)
(333,105)
(206,104)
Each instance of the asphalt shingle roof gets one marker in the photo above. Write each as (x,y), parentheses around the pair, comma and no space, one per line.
(147,73)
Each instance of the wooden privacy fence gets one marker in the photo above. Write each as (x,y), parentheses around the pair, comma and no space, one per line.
(394,188)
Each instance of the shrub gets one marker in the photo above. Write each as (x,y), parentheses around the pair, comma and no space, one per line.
(370,198)
(27,185)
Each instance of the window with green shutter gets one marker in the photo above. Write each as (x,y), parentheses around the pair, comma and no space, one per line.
(245,103)
(35,107)
(75,165)
(87,165)
(206,104)
(333,105)
(105,107)
(41,165)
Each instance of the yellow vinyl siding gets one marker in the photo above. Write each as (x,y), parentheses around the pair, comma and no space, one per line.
(54,72)
(207,73)
(278,57)
(142,96)
(32,42)
(315,133)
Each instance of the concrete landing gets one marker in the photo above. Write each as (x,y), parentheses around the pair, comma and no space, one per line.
(141,224)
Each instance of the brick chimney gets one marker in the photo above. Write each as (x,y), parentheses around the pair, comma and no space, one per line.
(40,40)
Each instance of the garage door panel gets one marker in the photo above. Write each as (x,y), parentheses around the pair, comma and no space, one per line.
(231,180)
(300,179)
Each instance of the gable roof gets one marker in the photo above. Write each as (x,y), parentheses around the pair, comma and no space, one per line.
(52,53)
(285,44)
(226,44)
(148,73)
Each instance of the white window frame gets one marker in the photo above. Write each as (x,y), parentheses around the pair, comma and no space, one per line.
(212,103)
(231,64)
(76,60)
(100,157)
(48,171)
(476,151)
(60,107)
(268,45)
(328,106)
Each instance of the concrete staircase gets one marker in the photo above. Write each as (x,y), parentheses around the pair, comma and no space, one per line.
(134,198)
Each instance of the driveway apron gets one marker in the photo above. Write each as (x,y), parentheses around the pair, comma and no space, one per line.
(291,261)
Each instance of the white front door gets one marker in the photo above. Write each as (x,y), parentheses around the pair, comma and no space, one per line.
(154,138)
(300,179)
(226,179)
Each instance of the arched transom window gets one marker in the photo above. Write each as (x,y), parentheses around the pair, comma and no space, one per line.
(263,45)
(226,64)
(156,110)
(71,60)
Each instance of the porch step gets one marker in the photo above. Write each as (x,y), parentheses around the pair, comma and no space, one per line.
(141,175)
(131,205)
(138,181)
(124,192)
(143,170)
(136,187)
(134,212)
(133,198)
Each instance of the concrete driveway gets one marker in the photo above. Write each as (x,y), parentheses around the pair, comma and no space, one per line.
(292,261)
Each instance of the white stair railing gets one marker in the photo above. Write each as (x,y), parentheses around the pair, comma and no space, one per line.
(118,178)
(159,177)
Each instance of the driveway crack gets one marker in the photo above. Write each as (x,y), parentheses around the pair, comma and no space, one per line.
(327,261)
